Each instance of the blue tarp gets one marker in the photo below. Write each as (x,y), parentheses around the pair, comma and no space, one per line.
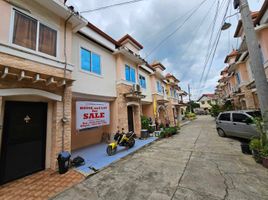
(95,156)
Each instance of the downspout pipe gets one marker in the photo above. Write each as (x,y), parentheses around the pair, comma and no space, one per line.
(64,118)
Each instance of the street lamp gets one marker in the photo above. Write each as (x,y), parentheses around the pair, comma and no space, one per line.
(225,26)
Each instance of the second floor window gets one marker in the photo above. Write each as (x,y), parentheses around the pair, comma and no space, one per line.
(30,33)
(142,81)
(159,87)
(130,74)
(237,75)
(90,62)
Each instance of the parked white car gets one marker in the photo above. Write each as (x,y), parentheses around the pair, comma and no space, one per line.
(237,123)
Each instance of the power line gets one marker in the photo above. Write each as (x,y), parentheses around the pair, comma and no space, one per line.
(209,50)
(112,5)
(192,41)
(171,23)
(216,45)
(178,28)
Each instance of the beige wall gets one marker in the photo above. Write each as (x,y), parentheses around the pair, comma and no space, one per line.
(44,16)
(263,39)
(90,83)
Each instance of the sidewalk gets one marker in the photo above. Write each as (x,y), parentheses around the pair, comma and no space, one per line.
(96,157)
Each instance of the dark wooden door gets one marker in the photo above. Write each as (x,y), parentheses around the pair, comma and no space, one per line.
(130,118)
(24,139)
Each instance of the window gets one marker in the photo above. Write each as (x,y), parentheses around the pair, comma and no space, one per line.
(225,117)
(130,74)
(90,61)
(202,102)
(25,31)
(142,81)
(25,34)
(209,101)
(237,75)
(171,92)
(47,40)
(237,117)
(159,87)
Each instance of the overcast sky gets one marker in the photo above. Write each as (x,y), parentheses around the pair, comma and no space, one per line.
(184,53)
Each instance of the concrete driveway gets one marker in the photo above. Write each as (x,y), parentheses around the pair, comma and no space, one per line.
(196,164)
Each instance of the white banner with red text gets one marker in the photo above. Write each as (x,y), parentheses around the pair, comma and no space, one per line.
(91,114)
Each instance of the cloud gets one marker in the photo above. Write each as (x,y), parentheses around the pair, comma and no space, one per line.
(150,21)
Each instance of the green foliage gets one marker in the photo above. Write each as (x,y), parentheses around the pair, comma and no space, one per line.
(215,110)
(255,144)
(167,132)
(260,128)
(145,122)
(227,106)
(161,125)
(190,115)
(151,129)
(193,106)
(264,151)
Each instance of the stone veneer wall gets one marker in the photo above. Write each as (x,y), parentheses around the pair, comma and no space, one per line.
(11,82)
(121,101)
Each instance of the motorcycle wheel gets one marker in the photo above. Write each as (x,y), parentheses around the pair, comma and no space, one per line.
(110,151)
(131,142)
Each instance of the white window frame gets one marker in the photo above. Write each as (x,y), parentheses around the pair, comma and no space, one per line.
(36,51)
(129,72)
(144,80)
(89,72)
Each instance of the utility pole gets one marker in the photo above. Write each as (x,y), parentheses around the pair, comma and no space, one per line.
(255,58)
(189,93)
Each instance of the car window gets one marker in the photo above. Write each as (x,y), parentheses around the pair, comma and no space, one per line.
(225,117)
(255,114)
(237,117)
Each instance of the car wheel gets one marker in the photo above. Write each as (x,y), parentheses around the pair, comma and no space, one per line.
(221,132)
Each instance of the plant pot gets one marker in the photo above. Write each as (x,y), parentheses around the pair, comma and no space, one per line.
(257,156)
(265,162)
(245,148)
(144,133)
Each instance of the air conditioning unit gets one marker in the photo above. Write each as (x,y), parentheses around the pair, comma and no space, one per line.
(136,88)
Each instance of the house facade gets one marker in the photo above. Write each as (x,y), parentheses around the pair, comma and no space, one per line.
(206,101)
(35,84)
(65,85)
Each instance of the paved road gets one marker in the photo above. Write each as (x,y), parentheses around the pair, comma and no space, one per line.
(196,164)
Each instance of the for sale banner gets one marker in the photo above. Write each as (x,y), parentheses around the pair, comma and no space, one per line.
(92,114)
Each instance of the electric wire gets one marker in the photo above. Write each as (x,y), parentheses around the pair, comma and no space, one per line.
(216,45)
(177,29)
(111,5)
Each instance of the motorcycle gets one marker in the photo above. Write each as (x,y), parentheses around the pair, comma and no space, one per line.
(121,139)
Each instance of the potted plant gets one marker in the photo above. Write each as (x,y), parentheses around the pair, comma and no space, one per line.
(145,124)
(264,155)
(255,147)
(245,148)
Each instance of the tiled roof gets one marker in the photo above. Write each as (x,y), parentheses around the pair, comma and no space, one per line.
(232,54)
(261,12)
(254,16)
(127,36)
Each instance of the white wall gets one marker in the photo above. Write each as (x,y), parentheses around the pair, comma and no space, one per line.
(148,91)
(89,83)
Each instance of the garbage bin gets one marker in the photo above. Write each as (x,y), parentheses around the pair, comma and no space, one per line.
(64,161)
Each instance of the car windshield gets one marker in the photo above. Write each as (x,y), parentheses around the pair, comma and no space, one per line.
(255,114)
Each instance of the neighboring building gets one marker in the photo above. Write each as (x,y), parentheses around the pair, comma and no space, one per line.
(35,80)
(95,83)
(206,100)
(239,86)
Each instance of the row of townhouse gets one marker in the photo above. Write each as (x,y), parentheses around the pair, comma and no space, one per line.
(237,84)
(54,65)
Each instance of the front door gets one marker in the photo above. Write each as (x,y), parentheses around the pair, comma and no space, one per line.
(24,139)
(130,118)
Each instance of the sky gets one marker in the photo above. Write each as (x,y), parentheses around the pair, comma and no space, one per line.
(184,53)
